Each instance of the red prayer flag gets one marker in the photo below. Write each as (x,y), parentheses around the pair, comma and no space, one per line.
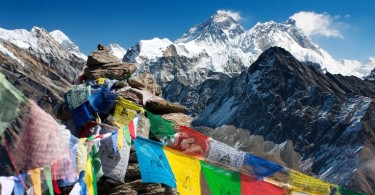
(132,126)
(252,186)
(190,142)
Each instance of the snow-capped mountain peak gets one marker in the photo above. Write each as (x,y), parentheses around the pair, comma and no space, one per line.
(147,50)
(117,50)
(64,40)
(218,28)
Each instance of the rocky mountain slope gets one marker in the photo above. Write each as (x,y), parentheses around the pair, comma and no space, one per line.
(315,122)
(42,65)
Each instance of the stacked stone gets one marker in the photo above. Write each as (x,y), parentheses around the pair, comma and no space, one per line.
(142,90)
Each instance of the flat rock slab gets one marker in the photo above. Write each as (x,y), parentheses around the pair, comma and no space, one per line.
(100,57)
(118,71)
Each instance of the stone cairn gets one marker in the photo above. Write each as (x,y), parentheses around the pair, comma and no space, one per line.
(142,90)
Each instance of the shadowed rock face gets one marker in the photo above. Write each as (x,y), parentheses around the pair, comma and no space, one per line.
(326,117)
(45,74)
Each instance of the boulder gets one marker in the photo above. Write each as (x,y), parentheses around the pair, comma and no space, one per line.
(136,83)
(161,106)
(149,83)
(178,118)
(117,70)
(101,56)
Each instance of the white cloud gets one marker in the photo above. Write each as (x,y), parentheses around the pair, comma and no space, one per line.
(312,23)
(235,15)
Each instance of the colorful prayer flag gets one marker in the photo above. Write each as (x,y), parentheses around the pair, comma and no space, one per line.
(35,179)
(125,111)
(102,100)
(7,185)
(224,154)
(160,128)
(190,142)
(303,183)
(153,163)
(252,186)
(19,182)
(259,167)
(41,135)
(343,191)
(186,170)
(133,125)
(90,178)
(114,164)
(48,176)
(77,95)
(10,99)
(221,181)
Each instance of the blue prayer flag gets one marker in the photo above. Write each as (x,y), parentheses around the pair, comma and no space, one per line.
(102,100)
(153,163)
(18,186)
(260,167)
(81,115)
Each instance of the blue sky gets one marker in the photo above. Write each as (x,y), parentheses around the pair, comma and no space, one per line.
(348,34)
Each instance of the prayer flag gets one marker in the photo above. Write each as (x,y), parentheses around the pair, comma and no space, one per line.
(343,191)
(160,128)
(303,183)
(77,95)
(10,99)
(186,170)
(221,181)
(120,138)
(252,186)
(19,182)
(125,111)
(190,142)
(133,125)
(7,185)
(114,138)
(259,167)
(102,100)
(41,135)
(48,175)
(114,164)
(127,135)
(90,179)
(224,154)
(153,163)
(35,179)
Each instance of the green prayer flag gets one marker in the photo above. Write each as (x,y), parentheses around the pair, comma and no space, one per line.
(10,100)
(127,135)
(160,128)
(221,181)
(48,175)
(94,170)
(343,191)
(96,162)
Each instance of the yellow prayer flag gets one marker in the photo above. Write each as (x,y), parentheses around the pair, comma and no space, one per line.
(35,179)
(125,111)
(120,138)
(186,170)
(303,183)
(89,178)
(100,81)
